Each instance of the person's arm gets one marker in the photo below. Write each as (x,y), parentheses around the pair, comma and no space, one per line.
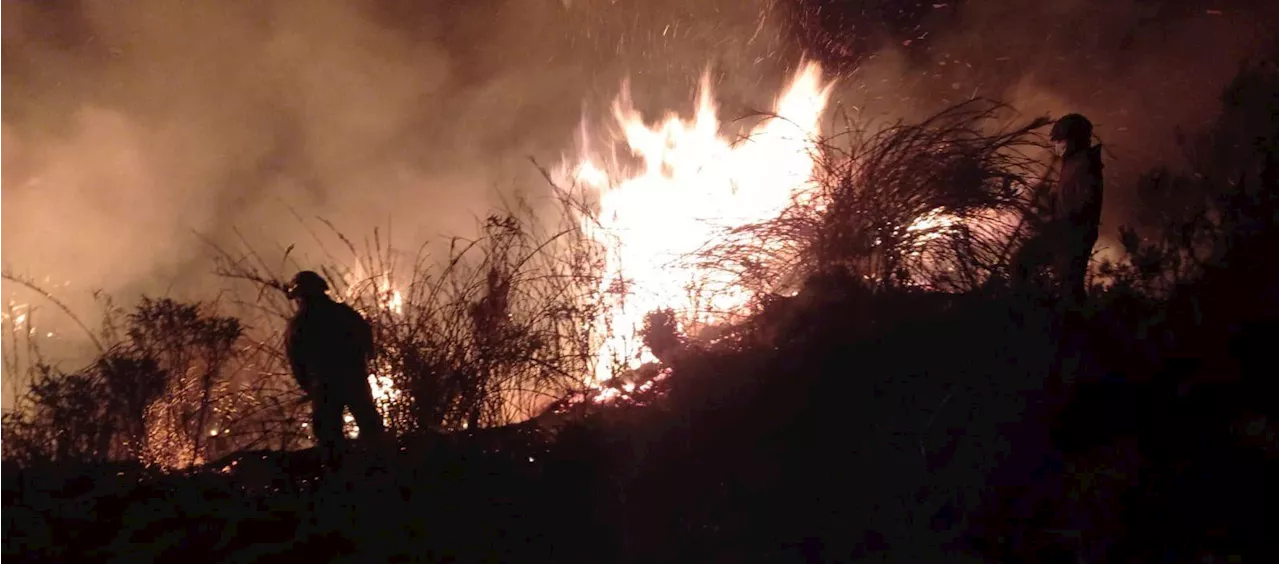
(294,354)
(366,337)
(1078,196)
(1039,206)
(362,333)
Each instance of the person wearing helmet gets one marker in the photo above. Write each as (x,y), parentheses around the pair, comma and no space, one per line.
(1070,230)
(329,346)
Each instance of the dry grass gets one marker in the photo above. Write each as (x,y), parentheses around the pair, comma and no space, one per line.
(492,332)
(502,326)
(510,321)
(939,203)
(154,394)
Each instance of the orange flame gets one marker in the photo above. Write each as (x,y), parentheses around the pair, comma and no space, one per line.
(388,299)
(694,181)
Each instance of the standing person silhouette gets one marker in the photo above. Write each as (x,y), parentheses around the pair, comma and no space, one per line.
(329,346)
(1078,206)
(1069,229)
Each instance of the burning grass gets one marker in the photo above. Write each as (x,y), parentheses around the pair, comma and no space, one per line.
(157,394)
(539,310)
(938,204)
(664,188)
(489,334)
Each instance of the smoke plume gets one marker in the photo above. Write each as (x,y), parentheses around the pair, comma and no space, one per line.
(132,131)
(1141,70)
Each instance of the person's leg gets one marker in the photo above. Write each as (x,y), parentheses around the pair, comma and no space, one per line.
(373,434)
(326,421)
(365,412)
(1073,290)
(1077,269)
(1074,341)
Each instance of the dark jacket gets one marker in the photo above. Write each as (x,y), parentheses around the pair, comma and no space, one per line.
(1079,197)
(327,341)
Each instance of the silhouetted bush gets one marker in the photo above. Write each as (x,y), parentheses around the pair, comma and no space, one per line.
(505,326)
(156,395)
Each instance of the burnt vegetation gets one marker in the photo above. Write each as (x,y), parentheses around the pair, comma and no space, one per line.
(891,394)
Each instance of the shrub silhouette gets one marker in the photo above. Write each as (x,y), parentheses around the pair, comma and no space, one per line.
(506,325)
(151,396)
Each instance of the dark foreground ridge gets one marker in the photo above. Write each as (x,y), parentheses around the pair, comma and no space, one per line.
(910,426)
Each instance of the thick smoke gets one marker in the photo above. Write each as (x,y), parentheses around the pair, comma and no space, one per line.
(133,131)
(1141,70)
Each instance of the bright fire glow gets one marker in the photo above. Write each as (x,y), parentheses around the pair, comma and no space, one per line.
(694,179)
(380,383)
(388,300)
(388,297)
(688,178)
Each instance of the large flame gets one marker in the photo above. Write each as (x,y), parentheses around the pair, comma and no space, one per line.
(694,179)
(688,180)
(381,384)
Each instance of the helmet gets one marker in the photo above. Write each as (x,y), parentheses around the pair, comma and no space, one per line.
(307,283)
(1072,127)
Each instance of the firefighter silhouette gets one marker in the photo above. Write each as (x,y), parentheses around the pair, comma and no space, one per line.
(329,346)
(1069,226)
